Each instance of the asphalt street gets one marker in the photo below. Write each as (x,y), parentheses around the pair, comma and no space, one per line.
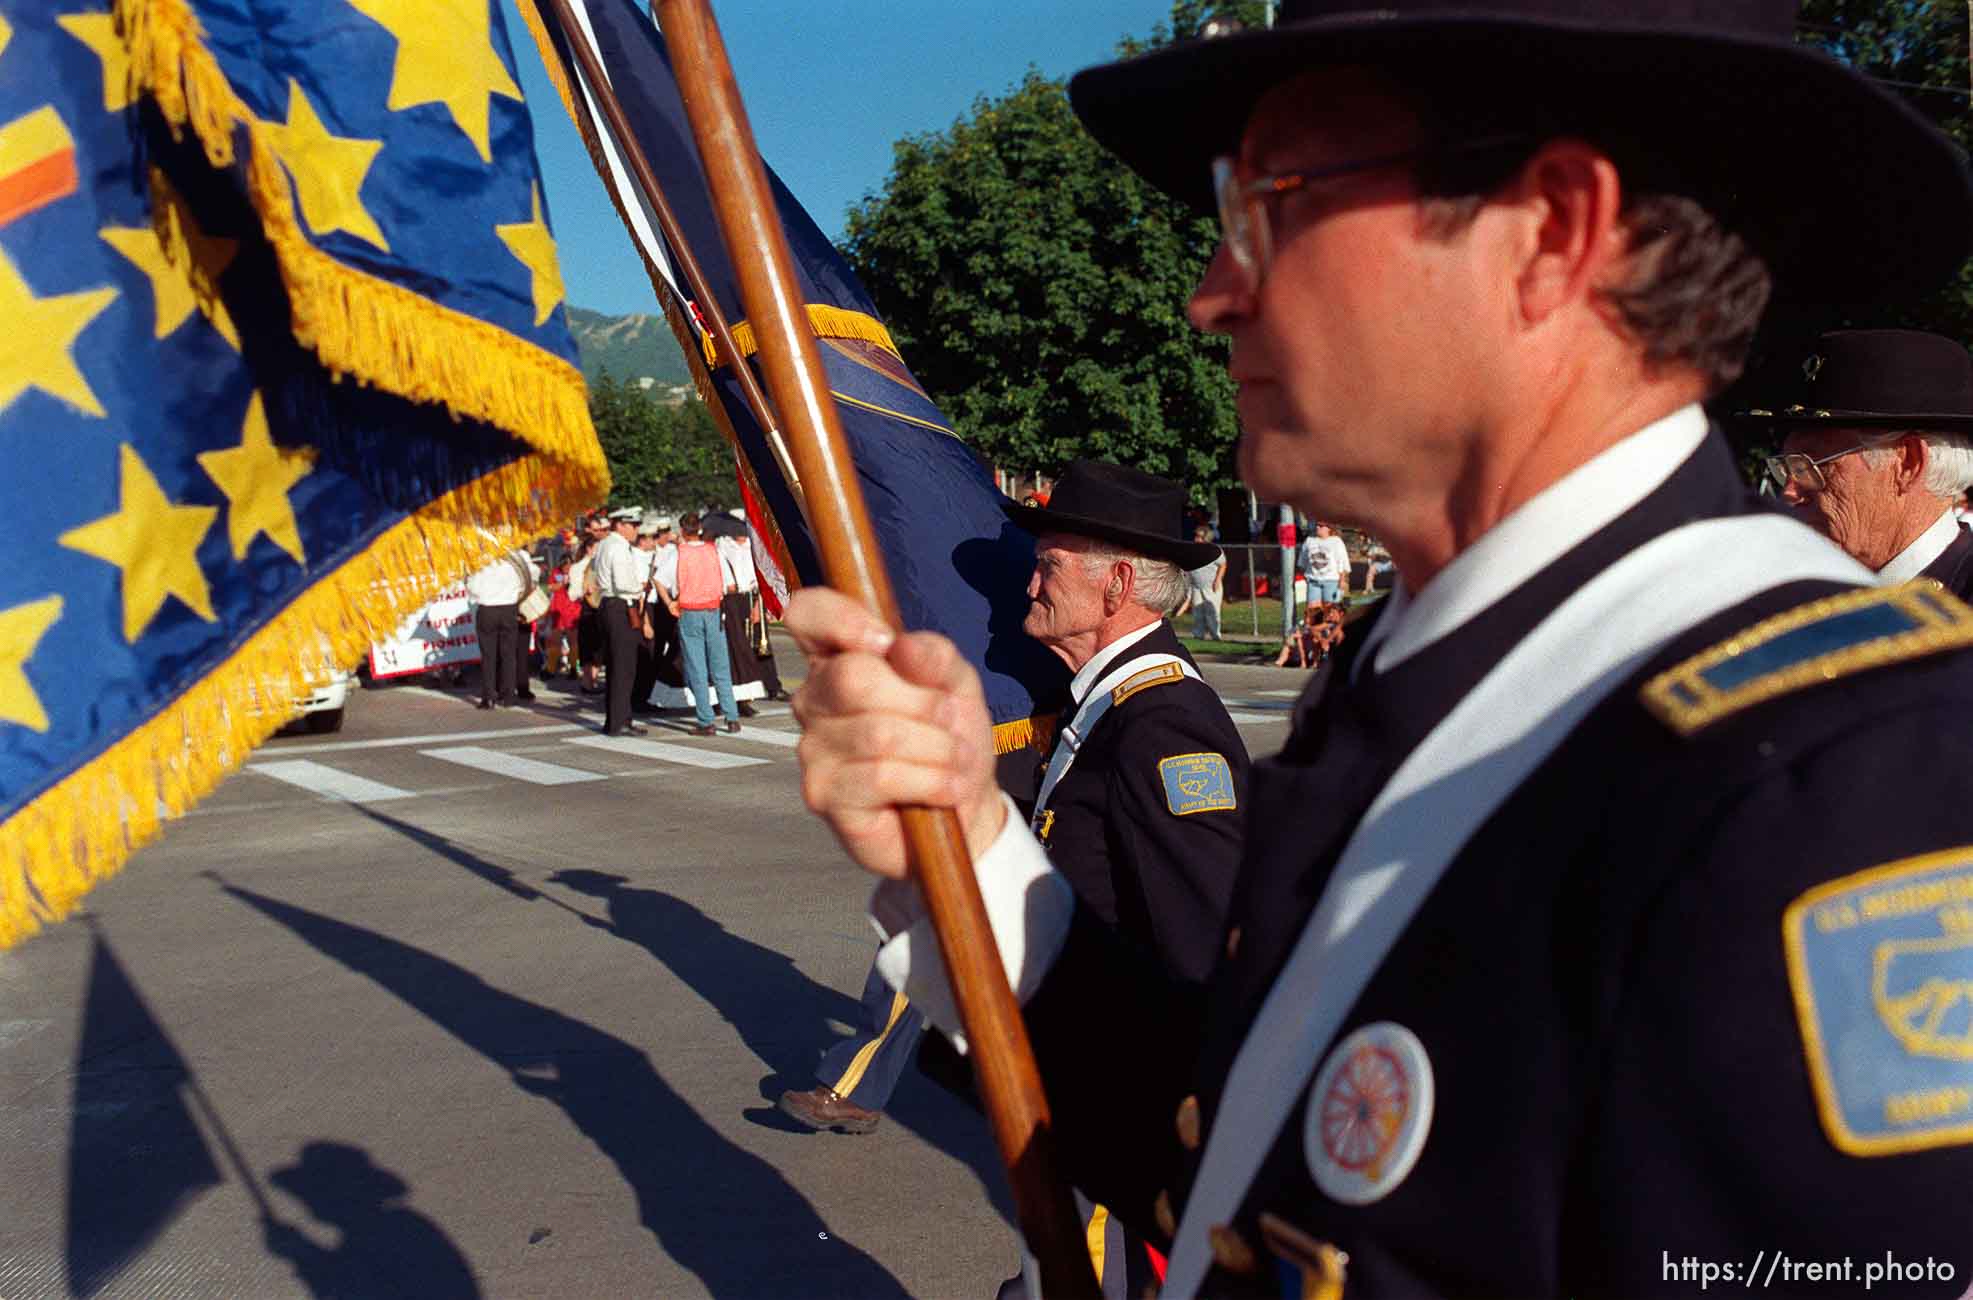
(459,1002)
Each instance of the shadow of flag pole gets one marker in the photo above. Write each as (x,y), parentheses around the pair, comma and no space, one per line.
(751,228)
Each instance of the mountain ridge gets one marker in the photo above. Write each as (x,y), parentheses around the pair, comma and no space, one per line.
(630,347)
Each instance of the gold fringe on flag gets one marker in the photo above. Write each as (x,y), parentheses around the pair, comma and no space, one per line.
(82,829)
(370,329)
(827,322)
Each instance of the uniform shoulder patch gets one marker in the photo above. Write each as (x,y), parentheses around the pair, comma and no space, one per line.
(1162,675)
(1880,965)
(1817,642)
(1196,783)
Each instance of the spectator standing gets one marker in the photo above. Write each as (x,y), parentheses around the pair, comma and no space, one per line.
(659,617)
(743,613)
(496,592)
(558,634)
(1204,588)
(620,580)
(698,579)
(524,631)
(590,642)
(1326,564)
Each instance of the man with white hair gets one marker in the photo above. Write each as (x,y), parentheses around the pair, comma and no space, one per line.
(1876,453)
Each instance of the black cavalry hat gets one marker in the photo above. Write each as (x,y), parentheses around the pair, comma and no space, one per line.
(1845,190)
(1118,504)
(1897,379)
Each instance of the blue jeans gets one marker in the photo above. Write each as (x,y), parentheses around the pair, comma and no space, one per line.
(1205,617)
(704,646)
(1324,591)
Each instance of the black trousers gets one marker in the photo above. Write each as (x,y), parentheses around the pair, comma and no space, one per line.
(620,662)
(648,650)
(498,626)
(523,656)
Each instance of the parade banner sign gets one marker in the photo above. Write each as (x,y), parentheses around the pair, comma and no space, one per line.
(440,635)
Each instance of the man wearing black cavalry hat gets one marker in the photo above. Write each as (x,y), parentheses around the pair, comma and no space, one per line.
(1138,801)
(1605,927)
(1877,449)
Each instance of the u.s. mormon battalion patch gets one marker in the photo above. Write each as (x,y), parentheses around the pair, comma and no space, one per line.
(1881,967)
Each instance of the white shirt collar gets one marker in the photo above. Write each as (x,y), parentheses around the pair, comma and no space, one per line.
(1086,677)
(1925,548)
(1541,530)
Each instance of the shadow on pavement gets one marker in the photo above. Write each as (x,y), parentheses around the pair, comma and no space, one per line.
(383,1248)
(136,1156)
(781,1015)
(693,1188)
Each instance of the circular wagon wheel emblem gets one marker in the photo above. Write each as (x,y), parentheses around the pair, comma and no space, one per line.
(1368,1113)
(1364,1109)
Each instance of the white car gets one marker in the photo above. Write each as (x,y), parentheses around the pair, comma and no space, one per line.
(321,710)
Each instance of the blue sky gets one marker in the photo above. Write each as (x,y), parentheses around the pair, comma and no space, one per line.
(830,87)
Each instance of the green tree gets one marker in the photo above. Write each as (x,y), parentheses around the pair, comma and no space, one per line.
(1918,50)
(672,456)
(1038,288)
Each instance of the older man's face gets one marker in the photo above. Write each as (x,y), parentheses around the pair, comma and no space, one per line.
(1850,511)
(1358,354)
(1066,601)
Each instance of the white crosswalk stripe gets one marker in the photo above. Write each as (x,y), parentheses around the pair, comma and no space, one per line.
(533,771)
(1256,717)
(319,778)
(785,739)
(689,755)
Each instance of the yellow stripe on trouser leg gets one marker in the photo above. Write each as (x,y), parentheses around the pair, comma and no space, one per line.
(861,1061)
(1099,1223)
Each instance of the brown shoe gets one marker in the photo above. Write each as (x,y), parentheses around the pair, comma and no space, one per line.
(731,726)
(824,1109)
(706,730)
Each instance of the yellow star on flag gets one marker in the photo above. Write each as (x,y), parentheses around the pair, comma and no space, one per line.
(98,32)
(256,476)
(21,630)
(445,55)
(183,264)
(6,33)
(530,242)
(41,334)
(328,169)
(154,542)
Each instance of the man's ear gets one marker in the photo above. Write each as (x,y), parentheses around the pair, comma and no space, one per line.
(1123,576)
(1914,457)
(1568,199)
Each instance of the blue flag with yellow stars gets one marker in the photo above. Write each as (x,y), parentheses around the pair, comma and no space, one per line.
(285,354)
(957,565)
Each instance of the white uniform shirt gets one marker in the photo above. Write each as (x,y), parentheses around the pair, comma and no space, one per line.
(499,583)
(617,570)
(739,557)
(645,560)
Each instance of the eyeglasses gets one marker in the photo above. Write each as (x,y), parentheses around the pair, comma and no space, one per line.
(1243,214)
(1805,473)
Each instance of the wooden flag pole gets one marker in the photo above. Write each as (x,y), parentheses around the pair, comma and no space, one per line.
(598,84)
(998,1040)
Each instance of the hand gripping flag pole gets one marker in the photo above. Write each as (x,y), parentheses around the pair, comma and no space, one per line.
(1009,1081)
